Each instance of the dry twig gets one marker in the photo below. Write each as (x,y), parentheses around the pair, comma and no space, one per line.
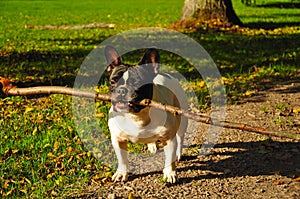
(10,90)
(66,27)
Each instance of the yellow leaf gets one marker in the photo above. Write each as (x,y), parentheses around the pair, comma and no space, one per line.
(34,131)
(296,110)
(70,128)
(224,79)
(109,174)
(23,191)
(9,192)
(50,175)
(46,145)
(201,84)
(279,182)
(50,154)
(88,166)
(59,180)
(6,184)
(70,159)
(69,149)
(71,171)
(262,151)
(249,93)
(28,109)
(7,151)
(54,193)
(56,146)
(297,179)
(99,115)
(27,180)
(14,151)
(131,196)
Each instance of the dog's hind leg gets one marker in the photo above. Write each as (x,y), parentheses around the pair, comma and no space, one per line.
(180,137)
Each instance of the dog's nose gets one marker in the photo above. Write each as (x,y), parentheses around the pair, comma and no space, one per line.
(122,91)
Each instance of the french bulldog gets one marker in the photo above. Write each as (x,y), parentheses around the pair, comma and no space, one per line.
(129,121)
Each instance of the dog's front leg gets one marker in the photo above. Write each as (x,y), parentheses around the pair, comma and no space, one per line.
(120,148)
(170,152)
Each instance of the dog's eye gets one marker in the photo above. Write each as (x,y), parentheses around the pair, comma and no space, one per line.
(114,80)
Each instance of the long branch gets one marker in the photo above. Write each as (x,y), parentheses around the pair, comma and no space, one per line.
(66,27)
(10,90)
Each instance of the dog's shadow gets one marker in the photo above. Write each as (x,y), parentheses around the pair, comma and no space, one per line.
(240,159)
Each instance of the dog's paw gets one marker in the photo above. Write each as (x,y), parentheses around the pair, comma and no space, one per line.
(119,177)
(170,176)
(152,148)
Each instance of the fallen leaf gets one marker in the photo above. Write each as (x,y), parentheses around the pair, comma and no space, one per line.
(14,151)
(56,146)
(296,110)
(262,151)
(131,196)
(70,159)
(6,184)
(27,180)
(9,192)
(23,191)
(297,179)
(70,128)
(28,109)
(278,182)
(100,115)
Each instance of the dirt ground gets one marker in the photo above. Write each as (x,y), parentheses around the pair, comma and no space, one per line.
(241,164)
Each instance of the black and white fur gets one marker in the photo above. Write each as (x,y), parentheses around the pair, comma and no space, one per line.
(138,124)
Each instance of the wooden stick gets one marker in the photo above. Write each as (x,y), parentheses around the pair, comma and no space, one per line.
(215,122)
(66,27)
(10,90)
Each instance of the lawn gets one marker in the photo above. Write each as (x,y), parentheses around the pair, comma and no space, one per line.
(41,154)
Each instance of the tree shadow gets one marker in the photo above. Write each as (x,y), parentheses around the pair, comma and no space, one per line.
(284,5)
(271,25)
(242,55)
(41,68)
(234,54)
(47,67)
(294,87)
(248,159)
(238,53)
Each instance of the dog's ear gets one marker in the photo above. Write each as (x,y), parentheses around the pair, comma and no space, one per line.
(151,56)
(112,57)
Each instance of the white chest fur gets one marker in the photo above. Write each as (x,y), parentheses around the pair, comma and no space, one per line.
(126,127)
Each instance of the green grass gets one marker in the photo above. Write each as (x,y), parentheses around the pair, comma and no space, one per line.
(41,154)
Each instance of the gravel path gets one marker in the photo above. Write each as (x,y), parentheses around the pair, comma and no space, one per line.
(241,165)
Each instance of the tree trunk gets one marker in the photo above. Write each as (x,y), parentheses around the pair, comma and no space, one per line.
(211,9)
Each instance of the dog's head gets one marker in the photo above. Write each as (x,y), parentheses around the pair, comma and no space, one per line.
(130,84)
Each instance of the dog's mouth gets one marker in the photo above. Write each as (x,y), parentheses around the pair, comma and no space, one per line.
(121,105)
(125,107)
